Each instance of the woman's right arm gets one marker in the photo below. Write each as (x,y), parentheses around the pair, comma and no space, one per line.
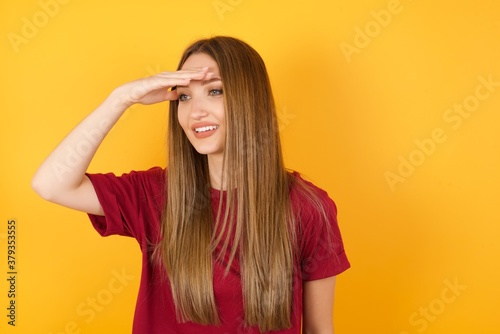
(61,178)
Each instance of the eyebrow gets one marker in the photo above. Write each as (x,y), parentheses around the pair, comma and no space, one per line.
(203,82)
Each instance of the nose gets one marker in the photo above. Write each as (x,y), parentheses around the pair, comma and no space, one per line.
(198,110)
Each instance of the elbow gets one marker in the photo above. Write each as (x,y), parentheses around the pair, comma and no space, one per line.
(38,188)
(41,188)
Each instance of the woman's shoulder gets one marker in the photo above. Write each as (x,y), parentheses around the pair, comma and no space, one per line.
(307,198)
(301,187)
(154,175)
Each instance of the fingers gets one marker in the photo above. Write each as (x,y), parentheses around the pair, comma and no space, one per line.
(178,78)
(156,88)
(188,74)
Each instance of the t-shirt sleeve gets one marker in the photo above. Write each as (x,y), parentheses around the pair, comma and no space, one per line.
(131,202)
(322,248)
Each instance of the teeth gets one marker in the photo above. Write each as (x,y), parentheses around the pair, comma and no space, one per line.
(206,128)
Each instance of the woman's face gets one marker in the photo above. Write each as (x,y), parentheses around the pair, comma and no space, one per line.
(201,111)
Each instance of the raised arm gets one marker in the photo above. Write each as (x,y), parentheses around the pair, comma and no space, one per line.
(61,177)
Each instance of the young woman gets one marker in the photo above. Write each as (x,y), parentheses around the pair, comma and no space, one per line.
(231,241)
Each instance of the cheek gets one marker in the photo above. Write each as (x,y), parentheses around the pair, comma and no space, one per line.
(221,113)
(181,118)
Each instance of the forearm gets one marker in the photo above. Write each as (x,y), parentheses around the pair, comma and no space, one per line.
(64,169)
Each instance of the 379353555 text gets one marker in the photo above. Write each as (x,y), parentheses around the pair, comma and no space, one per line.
(11,271)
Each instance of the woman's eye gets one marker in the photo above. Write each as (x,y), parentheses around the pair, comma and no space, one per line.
(215,92)
(183,97)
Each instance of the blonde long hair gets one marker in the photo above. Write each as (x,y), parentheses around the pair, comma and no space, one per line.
(257,209)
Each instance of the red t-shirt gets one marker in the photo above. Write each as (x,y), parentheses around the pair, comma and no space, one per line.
(132,205)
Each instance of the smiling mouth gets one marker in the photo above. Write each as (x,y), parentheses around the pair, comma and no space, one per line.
(206,128)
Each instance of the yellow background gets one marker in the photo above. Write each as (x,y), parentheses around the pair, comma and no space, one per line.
(348,119)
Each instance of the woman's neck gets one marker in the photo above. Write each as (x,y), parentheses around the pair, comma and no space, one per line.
(215,171)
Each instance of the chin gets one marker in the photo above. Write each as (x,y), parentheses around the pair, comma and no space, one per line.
(207,150)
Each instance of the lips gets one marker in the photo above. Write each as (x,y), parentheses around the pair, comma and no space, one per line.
(204,129)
